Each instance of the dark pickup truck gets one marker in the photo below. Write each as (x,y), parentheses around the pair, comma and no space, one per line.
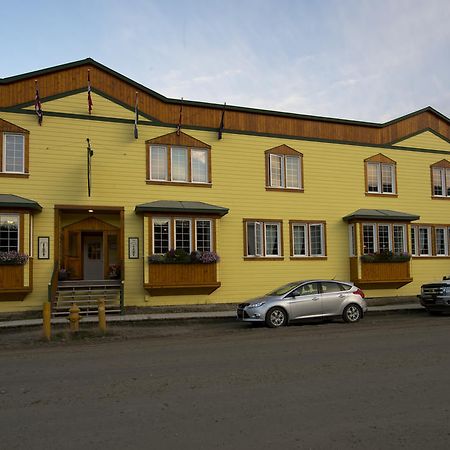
(435,297)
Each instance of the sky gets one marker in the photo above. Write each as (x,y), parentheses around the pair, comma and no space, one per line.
(368,60)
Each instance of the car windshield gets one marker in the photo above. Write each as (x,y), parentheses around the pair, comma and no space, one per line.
(283,289)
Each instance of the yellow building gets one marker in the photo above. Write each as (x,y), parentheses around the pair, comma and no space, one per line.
(101,212)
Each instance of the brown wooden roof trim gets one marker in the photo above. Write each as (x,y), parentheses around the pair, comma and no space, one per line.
(380,158)
(181,139)
(443,163)
(69,77)
(8,127)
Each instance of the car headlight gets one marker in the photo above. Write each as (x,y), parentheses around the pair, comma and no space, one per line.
(447,290)
(256,305)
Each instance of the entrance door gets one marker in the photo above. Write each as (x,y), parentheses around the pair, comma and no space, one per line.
(93,257)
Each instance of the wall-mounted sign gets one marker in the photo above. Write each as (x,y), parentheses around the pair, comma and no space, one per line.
(43,247)
(133,248)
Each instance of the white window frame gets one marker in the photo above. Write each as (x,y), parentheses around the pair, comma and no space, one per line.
(278,228)
(445,232)
(182,219)
(198,150)
(166,177)
(417,245)
(308,240)
(186,154)
(379,174)
(260,242)
(305,238)
(281,160)
(17,217)
(375,237)
(5,135)
(153,233)
(389,228)
(444,176)
(352,240)
(403,226)
(211,234)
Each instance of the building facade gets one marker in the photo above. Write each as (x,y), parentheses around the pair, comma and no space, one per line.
(98,198)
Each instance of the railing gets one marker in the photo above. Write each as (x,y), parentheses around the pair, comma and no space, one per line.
(53,284)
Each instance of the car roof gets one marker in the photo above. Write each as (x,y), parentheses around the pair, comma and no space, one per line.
(317,280)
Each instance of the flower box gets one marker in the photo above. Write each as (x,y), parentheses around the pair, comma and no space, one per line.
(182,279)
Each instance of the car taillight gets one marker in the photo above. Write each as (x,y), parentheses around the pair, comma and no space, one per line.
(360,292)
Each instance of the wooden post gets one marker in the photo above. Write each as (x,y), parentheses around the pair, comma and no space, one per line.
(46,321)
(102,315)
(74,318)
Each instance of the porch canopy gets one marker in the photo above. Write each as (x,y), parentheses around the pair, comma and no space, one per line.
(14,201)
(380,214)
(172,206)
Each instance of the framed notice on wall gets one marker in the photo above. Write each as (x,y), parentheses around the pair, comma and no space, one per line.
(133,248)
(43,247)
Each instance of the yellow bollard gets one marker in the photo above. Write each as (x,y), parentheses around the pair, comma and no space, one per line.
(74,318)
(102,315)
(46,321)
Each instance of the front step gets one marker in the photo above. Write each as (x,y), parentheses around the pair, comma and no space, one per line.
(86,295)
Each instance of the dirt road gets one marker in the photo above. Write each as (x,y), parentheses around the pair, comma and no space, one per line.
(378,384)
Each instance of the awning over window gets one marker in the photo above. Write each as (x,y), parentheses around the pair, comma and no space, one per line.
(171,206)
(14,201)
(380,214)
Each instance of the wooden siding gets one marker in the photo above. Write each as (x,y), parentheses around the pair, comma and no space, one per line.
(333,181)
(58,81)
(427,139)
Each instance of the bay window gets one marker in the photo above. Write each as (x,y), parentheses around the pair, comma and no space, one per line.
(383,237)
(188,234)
(9,232)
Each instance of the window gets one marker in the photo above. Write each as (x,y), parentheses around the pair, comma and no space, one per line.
(188,234)
(380,175)
(351,240)
(13,153)
(441,241)
(9,232)
(178,159)
(430,240)
(440,179)
(307,239)
(284,169)
(421,240)
(383,237)
(263,238)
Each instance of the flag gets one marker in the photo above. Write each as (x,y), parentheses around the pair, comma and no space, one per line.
(37,104)
(221,126)
(90,104)
(181,115)
(136,116)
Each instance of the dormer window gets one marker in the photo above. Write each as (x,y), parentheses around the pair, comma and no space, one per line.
(284,169)
(380,175)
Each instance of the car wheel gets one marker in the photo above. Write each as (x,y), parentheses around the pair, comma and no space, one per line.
(352,313)
(276,317)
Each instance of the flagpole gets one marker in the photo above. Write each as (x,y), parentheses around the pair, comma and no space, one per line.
(222,123)
(90,104)
(136,117)
(37,103)
(181,117)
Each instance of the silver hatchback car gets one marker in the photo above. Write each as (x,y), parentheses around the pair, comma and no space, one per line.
(304,300)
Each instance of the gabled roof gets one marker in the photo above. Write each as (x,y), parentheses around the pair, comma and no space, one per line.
(380,214)
(171,206)
(54,81)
